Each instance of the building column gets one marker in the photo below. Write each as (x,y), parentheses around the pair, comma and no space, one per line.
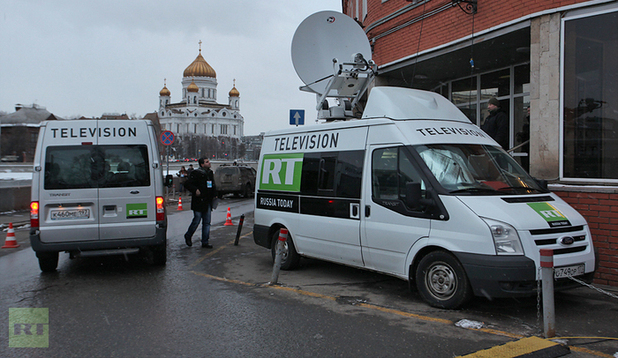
(545,117)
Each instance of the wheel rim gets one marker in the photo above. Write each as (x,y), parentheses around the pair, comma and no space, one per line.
(441,281)
(284,252)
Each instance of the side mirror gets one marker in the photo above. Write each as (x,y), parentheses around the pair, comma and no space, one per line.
(542,183)
(169,180)
(413,195)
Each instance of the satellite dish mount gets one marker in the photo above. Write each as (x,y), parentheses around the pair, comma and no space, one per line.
(320,47)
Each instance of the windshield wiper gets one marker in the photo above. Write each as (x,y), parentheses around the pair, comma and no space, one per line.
(473,190)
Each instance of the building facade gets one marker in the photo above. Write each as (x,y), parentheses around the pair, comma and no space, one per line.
(197,120)
(19,131)
(556,59)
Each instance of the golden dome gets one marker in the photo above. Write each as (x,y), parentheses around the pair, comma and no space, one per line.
(234,92)
(165,92)
(199,68)
(193,87)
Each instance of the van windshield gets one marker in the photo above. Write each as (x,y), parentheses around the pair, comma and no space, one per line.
(105,166)
(476,169)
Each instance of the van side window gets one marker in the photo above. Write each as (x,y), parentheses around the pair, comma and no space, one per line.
(326,178)
(391,171)
(333,174)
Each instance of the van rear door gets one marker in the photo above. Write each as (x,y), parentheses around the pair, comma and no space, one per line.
(126,194)
(68,193)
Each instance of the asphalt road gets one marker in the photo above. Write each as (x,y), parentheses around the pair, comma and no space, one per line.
(218,303)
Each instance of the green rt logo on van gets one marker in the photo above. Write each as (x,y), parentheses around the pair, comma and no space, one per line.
(28,327)
(548,212)
(281,172)
(137,211)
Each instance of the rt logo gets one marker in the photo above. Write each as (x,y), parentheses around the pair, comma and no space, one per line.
(29,327)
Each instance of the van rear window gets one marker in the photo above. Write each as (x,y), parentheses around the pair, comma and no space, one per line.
(106,166)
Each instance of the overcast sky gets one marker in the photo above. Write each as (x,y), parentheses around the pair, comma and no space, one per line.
(89,57)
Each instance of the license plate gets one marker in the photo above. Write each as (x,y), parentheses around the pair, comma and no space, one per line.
(566,271)
(70,214)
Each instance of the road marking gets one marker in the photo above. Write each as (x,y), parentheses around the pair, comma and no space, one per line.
(530,347)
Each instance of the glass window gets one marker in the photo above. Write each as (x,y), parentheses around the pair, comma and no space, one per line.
(590,101)
(464,90)
(495,84)
(521,108)
(69,168)
(476,169)
(82,167)
(384,174)
(469,110)
(333,173)
(326,174)
(522,79)
(349,174)
(391,173)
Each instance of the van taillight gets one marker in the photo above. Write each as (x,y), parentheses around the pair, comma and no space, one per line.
(34,214)
(160,208)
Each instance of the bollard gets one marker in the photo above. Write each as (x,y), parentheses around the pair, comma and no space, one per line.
(283,235)
(547,277)
(242,219)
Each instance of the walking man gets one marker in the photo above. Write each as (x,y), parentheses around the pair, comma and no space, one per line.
(201,184)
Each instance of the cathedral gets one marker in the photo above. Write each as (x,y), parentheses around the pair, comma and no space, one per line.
(198,114)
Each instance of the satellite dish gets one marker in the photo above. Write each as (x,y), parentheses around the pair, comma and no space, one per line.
(322,38)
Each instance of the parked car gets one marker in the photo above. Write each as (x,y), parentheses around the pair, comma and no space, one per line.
(9,158)
(236,179)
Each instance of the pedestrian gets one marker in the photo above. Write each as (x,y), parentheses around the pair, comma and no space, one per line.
(190,169)
(183,175)
(201,184)
(497,123)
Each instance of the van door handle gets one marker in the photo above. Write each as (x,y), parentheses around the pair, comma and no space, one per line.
(354,211)
(367,211)
(134,192)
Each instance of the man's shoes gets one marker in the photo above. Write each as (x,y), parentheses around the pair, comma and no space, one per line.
(188,240)
(207,246)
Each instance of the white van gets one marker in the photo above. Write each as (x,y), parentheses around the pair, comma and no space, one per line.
(414,190)
(97,189)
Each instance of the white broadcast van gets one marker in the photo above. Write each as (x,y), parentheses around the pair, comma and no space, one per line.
(414,190)
(97,189)
(406,185)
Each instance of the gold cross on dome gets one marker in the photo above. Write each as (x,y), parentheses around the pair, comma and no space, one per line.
(200,45)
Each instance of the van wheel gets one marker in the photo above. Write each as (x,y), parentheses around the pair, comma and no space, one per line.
(290,258)
(159,254)
(48,261)
(442,281)
(248,191)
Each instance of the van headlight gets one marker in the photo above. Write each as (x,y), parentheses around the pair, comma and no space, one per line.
(505,238)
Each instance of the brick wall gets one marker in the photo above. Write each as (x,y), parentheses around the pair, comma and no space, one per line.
(601,212)
(444,27)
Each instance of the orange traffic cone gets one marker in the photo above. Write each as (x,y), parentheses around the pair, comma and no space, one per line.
(228,219)
(180,203)
(10,238)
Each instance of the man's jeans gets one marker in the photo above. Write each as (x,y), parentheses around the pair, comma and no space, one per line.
(198,216)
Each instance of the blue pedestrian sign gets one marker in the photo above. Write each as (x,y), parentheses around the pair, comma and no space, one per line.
(167,138)
(297,117)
